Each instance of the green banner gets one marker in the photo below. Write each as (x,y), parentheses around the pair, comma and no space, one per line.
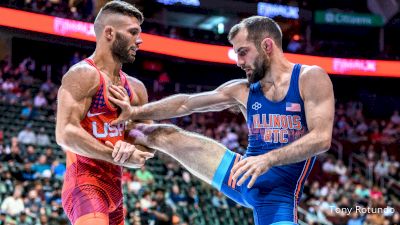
(349,19)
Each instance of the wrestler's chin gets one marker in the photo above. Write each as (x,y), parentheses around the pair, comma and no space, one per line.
(131,59)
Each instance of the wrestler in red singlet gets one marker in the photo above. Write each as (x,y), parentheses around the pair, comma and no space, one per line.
(92,185)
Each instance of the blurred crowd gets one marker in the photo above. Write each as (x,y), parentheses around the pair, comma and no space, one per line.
(295,38)
(78,10)
(365,174)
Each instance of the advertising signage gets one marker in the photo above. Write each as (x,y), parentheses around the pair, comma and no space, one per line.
(190,50)
(348,19)
(274,10)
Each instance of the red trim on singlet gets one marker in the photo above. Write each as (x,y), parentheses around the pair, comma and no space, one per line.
(102,81)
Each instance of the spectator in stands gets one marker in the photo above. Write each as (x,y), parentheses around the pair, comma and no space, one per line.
(27,136)
(160,211)
(314,215)
(24,220)
(381,169)
(393,162)
(40,101)
(47,87)
(137,216)
(42,138)
(58,169)
(41,166)
(328,205)
(328,166)
(135,185)
(219,200)
(145,176)
(26,96)
(356,219)
(30,155)
(50,157)
(33,203)
(361,191)
(15,155)
(340,168)
(27,173)
(395,118)
(395,218)
(231,139)
(28,112)
(26,79)
(376,193)
(14,205)
(146,201)
(28,64)
(177,197)
(193,197)
(8,85)
(44,220)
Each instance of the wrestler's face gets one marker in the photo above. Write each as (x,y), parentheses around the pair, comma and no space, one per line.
(127,40)
(251,58)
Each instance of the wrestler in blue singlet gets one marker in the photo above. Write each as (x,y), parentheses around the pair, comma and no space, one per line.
(275,195)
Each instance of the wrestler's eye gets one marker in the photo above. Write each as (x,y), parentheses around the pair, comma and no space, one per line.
(134,32)
(242,53)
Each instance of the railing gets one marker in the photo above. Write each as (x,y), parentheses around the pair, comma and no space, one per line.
(338,147)
(367,171)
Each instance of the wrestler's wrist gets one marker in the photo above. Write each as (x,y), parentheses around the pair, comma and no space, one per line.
(269,159)
(136,112)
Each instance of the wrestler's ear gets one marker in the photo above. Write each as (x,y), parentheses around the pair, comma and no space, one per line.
(109,32)
(267,45)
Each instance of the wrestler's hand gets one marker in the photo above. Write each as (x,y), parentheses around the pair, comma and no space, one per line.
(128,153)
(120,97)
(253,166)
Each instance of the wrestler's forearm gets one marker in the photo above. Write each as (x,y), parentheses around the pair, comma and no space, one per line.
(304,148)
(170,107)
(78,141)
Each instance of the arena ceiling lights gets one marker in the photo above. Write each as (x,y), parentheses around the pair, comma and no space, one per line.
(189,50)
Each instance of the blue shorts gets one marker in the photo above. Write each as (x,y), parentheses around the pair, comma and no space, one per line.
(271,204)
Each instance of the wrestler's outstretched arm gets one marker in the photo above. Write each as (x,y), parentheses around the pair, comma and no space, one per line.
(74,99)
(232,93)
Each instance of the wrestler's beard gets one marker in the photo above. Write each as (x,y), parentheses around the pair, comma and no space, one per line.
(120,49)
(260,69)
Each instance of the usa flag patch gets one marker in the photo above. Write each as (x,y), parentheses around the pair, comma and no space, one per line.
(293,107)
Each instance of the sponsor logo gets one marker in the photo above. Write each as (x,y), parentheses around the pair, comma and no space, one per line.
(89,114)
(108,130)
(256,106)
(346,65)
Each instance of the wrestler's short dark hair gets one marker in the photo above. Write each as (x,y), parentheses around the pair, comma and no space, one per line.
(258,27)
(121,7)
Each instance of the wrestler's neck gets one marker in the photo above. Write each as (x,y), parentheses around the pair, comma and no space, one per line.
(106,62)
(279,71)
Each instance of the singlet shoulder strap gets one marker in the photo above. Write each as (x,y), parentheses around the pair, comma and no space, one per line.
(294,82)
(91,62)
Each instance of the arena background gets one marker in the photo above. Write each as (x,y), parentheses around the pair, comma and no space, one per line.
(357,42)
